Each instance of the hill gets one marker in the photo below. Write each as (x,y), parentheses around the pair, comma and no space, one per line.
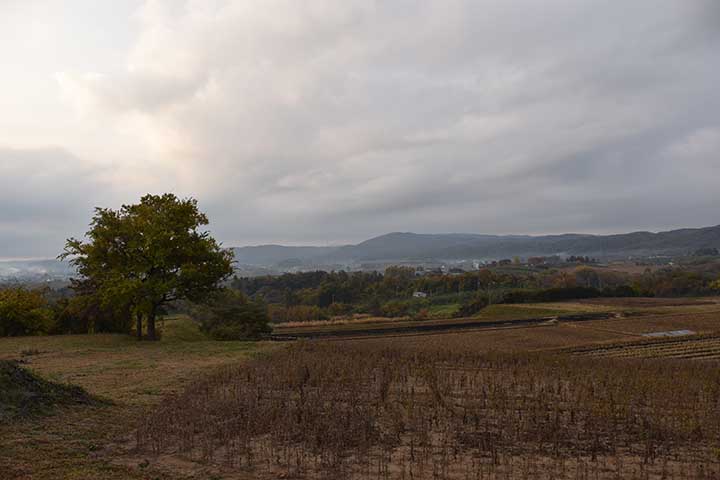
(413,246)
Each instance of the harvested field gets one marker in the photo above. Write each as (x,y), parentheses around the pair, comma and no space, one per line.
(534,338)
(694,347)
(444,411)
(699,322)
(649,302)
(444,326)
(483,404)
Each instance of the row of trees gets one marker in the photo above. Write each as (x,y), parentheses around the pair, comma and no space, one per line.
(321,295)
(323,289)
(38,312)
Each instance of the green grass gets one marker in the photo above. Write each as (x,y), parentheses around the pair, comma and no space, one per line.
(443,311)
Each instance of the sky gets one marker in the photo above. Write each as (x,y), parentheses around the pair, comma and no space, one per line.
(324,122)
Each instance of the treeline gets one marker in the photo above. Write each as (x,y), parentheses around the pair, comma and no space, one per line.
(323,289)
(307,296)
(225,315)
(47,312)
(321,295)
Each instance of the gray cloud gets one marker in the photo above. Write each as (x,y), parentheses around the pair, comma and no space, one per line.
(47,195)
(333,121)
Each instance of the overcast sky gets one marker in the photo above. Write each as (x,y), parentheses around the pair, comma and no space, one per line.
(324,122)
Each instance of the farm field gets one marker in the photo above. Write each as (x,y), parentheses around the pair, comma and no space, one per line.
(444,409)
(646,302)
(493,313)
(561,399)
(699,347)
(704,322)
(635,316)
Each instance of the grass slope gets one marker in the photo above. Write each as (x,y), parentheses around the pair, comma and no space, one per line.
(24,394)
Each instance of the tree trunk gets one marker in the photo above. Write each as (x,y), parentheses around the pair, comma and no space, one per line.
(138,318)
(152,335)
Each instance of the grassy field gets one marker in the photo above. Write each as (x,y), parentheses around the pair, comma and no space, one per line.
(133,376)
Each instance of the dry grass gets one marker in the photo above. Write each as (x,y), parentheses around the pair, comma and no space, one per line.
(444,410)
(135,376)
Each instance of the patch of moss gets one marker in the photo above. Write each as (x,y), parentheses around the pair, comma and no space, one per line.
(24,394)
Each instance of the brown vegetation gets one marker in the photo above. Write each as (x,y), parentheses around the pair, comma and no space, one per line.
(699,322)
(703,347)
(643,302)
(443,409)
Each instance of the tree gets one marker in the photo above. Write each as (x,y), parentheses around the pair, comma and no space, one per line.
(143,256)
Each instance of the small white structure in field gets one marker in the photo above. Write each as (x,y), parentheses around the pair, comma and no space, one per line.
(419,294)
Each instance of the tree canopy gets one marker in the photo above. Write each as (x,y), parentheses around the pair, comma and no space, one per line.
(141,257)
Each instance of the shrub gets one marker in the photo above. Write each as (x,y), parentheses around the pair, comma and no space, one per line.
(230,315)
(86,314)
(337,309)
(297,313)
(24,312)
(396,308)
(472,307)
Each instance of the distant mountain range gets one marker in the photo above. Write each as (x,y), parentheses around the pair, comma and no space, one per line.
(415,247)
(426,247)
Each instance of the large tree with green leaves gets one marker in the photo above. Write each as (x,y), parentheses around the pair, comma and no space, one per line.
(145,255)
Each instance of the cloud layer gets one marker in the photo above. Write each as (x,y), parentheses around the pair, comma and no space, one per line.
(334,121)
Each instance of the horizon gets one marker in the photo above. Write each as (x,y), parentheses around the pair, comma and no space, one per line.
(289,245)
